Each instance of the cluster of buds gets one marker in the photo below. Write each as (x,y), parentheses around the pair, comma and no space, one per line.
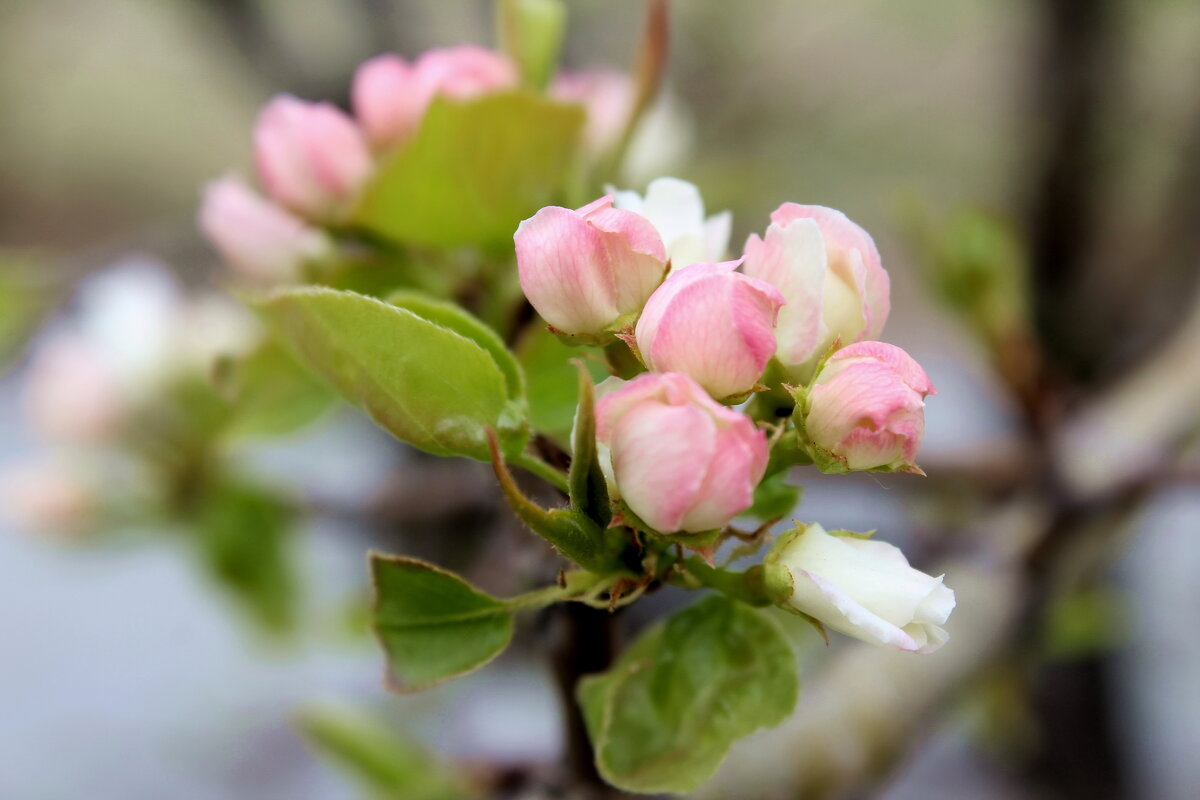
(801,309)
(313,159)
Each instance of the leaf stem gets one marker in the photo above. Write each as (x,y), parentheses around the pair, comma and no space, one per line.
(533,464)
(748,586)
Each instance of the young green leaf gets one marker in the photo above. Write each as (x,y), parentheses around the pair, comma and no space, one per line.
(387,765)
(423,382)
(553,382)
(242,535)
(663,718)
(452,316)
(432,624)
(473,170)
(272,395)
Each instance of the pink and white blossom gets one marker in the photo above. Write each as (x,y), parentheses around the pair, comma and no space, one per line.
(863,588)
(866,408)
(679,460)
(712,323)
(830,272)
(583,270)
(676,210)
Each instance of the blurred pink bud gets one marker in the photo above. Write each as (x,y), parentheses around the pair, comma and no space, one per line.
(258,238)
(463,72)
(584,269)
(680,461)
(607,98)
(713,324)
(47,498)
(311,157)
(830,272)
(387,100)
(866,409)
(390,96)
(72,394)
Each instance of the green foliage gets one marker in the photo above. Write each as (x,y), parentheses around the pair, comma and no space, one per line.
(432,624)
(473,170)
(25,295)
(270,394)
(422,381)
(553,382)
(774,497)
(386,765)
(242,532)
(452,316)
(663,718)
(531,32)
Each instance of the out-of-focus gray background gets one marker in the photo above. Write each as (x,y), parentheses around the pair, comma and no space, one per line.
(122,675)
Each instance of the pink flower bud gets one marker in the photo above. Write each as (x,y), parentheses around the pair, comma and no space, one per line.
(387,100)
(47,498)
(584,269)
(311,157)
(866,408)
(390,96)
(607,97)
(830,272)
(680,461)
(72,394)
(713,324)
(258,238)
(463,72)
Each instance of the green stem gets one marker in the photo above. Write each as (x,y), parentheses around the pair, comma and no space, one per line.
(748,586)
(576,583)
(533,464)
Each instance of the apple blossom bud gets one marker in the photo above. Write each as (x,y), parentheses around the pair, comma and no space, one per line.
(865,409)
(679,460)
(465,71)
(46,497)
(607,98)
(311,157)
(862,588)
(677,211)
(387,100)
(258,238)
(713,324)
(72,394)
(585,270)
(829,271)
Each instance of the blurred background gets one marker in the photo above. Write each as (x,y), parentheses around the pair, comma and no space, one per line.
(1031,174)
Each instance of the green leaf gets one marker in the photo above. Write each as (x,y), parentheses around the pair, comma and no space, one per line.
(774,497)
(423,382)
(553,382)
(432,624)
(531,32)
(384,763)
(451,316)
(271,394)
(26,294)
(473,170)
(242,532)
(663,718)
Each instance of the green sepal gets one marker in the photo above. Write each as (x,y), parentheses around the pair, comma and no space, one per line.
(588,488)
(572,533)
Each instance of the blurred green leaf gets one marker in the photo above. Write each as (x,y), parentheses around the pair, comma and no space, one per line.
(553,382)
(473,171)
(271,394)
(432,624)
(423,382)
(386,765)
(663,718)
(452,316)
(242,533)
(25,297)
(531,32)
(774,497)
